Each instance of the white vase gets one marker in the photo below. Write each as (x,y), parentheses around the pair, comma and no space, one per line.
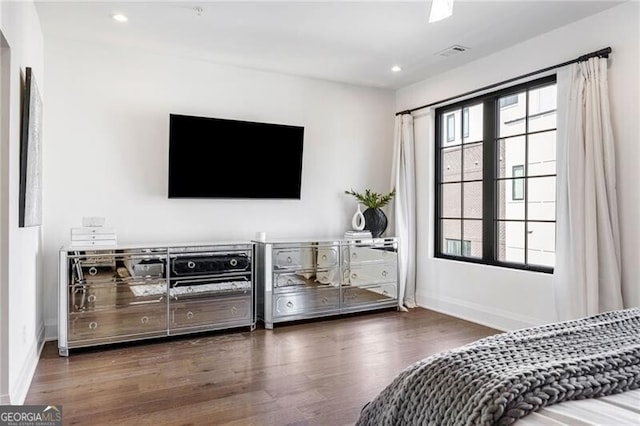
(357,222)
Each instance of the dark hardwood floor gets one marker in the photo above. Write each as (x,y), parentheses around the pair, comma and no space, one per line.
(312,373)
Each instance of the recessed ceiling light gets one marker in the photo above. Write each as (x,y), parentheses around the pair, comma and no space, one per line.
(396,68)
(440,9)
(120,17)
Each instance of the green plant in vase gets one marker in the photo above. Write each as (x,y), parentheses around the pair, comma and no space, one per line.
(375,220)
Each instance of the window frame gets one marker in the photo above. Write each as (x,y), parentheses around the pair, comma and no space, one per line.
(490,217)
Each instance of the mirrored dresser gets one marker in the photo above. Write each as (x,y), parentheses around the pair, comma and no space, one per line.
(126,293)
(315,278)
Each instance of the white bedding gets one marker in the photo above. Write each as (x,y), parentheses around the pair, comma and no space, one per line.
(613,410)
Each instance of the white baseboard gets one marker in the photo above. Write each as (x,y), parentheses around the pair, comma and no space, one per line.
(50,330)
(18,394)
(491,317)
(5,400)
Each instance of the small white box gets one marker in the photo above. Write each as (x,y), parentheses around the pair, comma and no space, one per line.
(89,243)
(93,236)
(89,230)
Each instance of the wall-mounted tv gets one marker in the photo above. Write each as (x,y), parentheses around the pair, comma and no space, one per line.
(220,158)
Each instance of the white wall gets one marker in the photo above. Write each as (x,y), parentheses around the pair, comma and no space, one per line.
(21,247)
(107,148)
(506,298)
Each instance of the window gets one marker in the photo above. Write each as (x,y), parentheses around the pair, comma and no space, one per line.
(454,247)
(465,122)
(451,127)
(508,101)
(517,185)
(495,186)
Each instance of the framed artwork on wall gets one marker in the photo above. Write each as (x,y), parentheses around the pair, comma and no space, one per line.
(30,203)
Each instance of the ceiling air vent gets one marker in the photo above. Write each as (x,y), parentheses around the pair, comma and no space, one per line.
(452,50)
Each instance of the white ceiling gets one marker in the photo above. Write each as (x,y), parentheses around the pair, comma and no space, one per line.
(352,42)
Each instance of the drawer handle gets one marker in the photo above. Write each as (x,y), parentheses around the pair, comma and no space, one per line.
(385,292)
(91,298)
(191,264)
(93,270)
(354,276)
(384,273)
(289,281)
(234,310)
(189,289)
(189,315)
(93,325)
(324,257)
(289,259)
(289,304)
(354,255)
(324,300)
(144,319)
(233,262)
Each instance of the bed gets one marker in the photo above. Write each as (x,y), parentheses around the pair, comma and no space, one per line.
(590,365)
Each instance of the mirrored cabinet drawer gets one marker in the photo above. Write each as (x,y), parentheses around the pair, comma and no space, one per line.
(356,254)
(96,297)
(305,302)
(370,274)
(305,257)
(302,280)
(204,313)
(192,264)
(118,323)
(371,294)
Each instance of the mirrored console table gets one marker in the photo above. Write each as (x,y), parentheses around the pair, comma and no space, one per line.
(308,279)
(125,293)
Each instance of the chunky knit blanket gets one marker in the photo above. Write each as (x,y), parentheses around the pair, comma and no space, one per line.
(499,379)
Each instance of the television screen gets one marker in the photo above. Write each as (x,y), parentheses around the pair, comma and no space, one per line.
(219,158)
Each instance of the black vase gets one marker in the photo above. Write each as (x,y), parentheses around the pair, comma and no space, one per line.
(375,221)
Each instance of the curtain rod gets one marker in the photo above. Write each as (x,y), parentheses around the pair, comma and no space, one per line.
(602,53)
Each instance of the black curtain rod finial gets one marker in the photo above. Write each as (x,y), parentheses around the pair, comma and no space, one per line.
(603,53)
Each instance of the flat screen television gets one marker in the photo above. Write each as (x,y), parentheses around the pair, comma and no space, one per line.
(220,158)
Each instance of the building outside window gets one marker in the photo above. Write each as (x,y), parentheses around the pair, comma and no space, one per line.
(495,192)
(517,185)
(451,127)
(508,101)
(459,248)
(465,122)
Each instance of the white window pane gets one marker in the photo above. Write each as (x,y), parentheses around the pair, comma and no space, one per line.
(542,154)
(472,238)
(511,115)
(473,200)
(508,208)
(451,164)
(472,125)
(542,108)
(541,198)
(451,231)
(451,200)
(541,244)
(511,152)
(451,128)
(511,241)
(473,162)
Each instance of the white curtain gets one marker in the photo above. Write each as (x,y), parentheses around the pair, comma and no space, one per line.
(403,179)
(587,272)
